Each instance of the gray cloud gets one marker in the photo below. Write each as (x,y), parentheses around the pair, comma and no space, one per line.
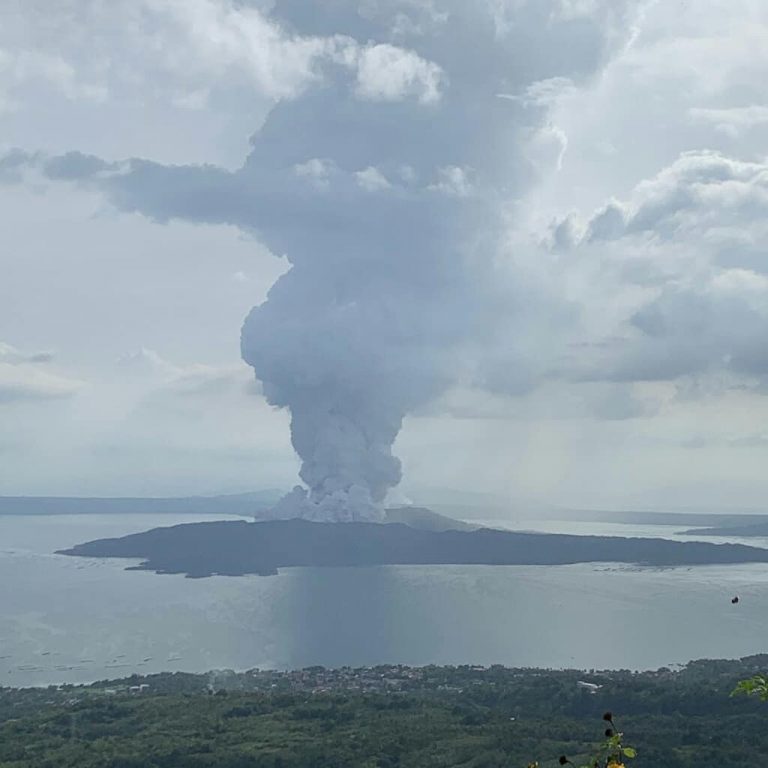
(701,189)
(13,356)
(74,166)
(14,164)
(684,260)
(732,121)
(195,380)
(24,376)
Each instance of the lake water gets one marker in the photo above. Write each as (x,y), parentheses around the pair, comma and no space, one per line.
(68,619)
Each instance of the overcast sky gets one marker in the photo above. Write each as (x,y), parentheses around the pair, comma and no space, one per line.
(615,149)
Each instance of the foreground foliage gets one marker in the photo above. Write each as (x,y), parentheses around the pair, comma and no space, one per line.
(611,753)
(439,717)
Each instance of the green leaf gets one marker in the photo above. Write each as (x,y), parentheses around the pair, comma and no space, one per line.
(757,685)
(629,752)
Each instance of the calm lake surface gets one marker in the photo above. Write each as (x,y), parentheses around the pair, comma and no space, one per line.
(68,619)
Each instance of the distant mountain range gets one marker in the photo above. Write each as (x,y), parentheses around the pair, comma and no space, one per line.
(677,518)
(235,548)
(758,529)
(256,504)
(234,504)
(466,506)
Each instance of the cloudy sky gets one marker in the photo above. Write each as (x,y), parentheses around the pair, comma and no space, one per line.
(556,209)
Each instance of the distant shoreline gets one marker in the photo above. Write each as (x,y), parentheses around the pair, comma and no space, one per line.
(344,678)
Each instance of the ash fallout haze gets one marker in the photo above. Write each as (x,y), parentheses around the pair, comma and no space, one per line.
(519,244)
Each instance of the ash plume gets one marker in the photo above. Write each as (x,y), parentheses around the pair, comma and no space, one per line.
(396,199)
(385,181)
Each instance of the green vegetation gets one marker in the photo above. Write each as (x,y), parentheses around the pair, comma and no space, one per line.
(757,685)
(383,717)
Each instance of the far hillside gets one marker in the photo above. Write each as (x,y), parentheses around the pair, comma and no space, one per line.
(234,504)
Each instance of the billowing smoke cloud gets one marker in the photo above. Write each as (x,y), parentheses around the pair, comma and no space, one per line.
(385,185)
(396,211)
